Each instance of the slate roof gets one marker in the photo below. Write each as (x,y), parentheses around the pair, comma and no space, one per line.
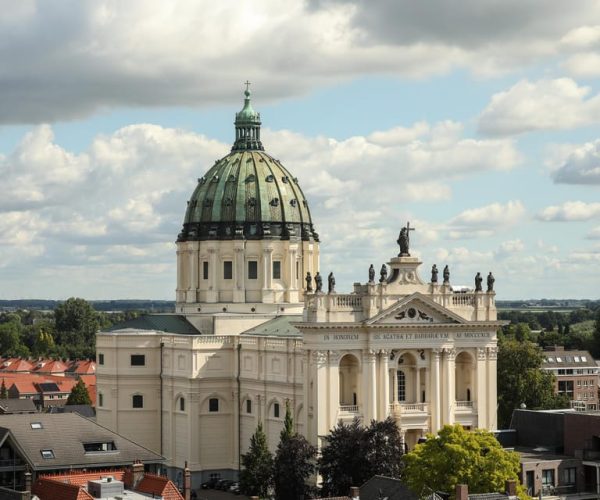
(170,323)
(385,487)
(12,405)
(281,326)
(567,359)
(86,411)
(65,434)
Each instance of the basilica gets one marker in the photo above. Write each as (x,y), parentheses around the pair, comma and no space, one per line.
(256,329)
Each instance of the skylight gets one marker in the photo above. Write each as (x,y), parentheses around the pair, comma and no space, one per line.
(47,454)
(36,425)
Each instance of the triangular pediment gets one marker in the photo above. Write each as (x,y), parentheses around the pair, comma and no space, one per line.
(415,309)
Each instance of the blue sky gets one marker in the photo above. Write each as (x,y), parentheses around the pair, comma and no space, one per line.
(477,122)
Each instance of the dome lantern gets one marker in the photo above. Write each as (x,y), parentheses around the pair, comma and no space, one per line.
(247,127)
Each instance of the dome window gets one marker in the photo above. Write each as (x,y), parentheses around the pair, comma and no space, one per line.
(252,202)
(293,202)
(296,180)
(231,178)
(251,178)
(228,202)
(208,202)
(215,178)
(285,179)
(270,178)
(249,160)
(275,202)
(201,180)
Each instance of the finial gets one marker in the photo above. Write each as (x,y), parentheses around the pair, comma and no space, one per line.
(247,91)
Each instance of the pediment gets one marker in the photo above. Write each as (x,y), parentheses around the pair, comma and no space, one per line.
(415,309)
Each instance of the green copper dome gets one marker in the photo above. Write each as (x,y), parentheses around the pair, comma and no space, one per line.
(248,194)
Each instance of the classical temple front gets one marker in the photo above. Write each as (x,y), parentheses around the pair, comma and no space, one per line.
(257,328)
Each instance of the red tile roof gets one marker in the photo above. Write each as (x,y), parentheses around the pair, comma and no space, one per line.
(55,489)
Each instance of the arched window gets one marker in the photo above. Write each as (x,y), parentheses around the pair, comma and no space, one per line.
(248,406)
(213,404)
(276,410)
(182,404)
(401,386)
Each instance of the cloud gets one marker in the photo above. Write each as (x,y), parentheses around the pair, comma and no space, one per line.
(569,211)
(594,234)
(581,165)
(542,105)
(485,221)
(68,60)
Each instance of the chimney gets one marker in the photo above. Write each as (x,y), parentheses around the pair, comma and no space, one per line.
(137,473)
(462,492)
(510,488)
(187,482)
(354,493)
(27,481)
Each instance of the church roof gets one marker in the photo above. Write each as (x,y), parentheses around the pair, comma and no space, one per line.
(170,323)
(248,194)
(280,326)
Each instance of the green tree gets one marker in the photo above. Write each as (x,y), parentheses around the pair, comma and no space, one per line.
(595,343)
(10,338)
(257,466)
(354,453)
(44,344)
(3,391)
(294,463)
(456,456)
(79,395)
(522,380)
(522,332)
(76,326)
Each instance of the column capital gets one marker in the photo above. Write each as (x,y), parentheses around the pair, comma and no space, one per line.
(211,250)
(436,353)
(492,352)
(268,250)
(481,353)
(334,357)
(369,355)
(238,249)
(450,353)
(319,357)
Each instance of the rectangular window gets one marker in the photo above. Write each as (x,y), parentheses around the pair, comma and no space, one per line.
(137,401)
(47,454)
(213,404)
(276,269)
(99,446)
(100,399)
(297,269)
(276,410)
(100,358)
(548,477)
(566,387)
(138,360)
(248,406)
(205,270)
(252,270)
(36,425)
(227,270)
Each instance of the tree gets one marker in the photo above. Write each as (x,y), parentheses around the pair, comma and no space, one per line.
(522,380)
(10,337)
(354,454)
(76,327)
(79,395)
(522,332)
(456,456)
(595,344)
(294,463)
(3,391)
(257,466)
(44,344)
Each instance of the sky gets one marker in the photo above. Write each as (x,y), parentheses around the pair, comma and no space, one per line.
(477,121)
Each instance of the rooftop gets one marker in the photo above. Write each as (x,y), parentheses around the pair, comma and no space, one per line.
(169,323)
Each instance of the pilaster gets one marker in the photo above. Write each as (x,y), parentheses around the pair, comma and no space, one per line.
(481,385)
(436,403)
(239,272)
(449,386)
(384,384)
(369,389)
(492,395)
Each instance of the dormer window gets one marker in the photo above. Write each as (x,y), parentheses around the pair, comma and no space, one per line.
(47,454)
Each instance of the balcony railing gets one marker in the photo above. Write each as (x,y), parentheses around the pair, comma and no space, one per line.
(348,408)
(464,405)
(409,407)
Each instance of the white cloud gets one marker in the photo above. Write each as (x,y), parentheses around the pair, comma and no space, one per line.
(581,165)
(67,60)
(570,211)
(541,105)
(485,221)
(583,64)
(594,233)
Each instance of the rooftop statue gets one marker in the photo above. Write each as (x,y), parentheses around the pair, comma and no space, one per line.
(371,274)
(383,274)
(404,240)
(318,282)
(446,275)
(308,282)
(478,281)
(490,282)
(434,274)
(331,283)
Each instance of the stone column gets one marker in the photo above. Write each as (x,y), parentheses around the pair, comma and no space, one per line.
(320,403)
(449,385)
(333,395)
(384,384)
(267,292)
(212,295)
(193,259)
(481,387)
(239,274)
(394,376)
(292,284)
(369,388)
(417,384)
(436,403)
(492,395)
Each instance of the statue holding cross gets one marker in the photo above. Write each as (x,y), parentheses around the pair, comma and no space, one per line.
(404,240)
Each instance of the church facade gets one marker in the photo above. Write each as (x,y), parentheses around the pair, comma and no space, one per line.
(254,331)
